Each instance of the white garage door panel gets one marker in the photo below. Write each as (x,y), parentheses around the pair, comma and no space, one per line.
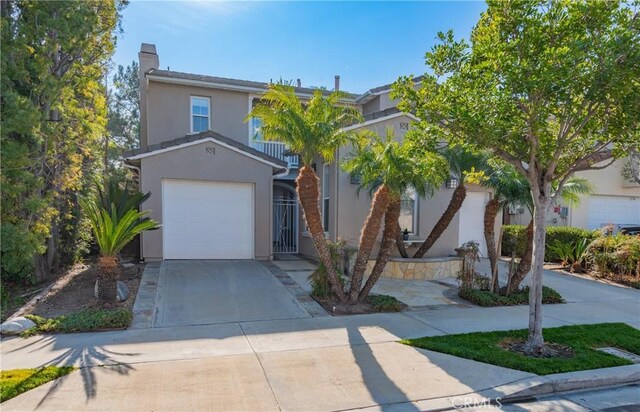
(207,220)
(604,210)
(472,220)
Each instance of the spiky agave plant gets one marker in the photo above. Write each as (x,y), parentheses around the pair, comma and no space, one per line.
(112,232)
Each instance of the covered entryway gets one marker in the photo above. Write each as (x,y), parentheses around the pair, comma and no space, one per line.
(472,220)
(616,210)
(207,220)
(285,218)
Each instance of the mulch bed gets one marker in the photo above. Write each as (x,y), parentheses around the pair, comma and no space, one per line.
(336,308)
(549,350)
(73,291)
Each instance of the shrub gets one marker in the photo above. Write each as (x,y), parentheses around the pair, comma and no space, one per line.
(572,254)
(487,298)
(320,285)
(514,239)
(619,254)
(87,320)
(384,303)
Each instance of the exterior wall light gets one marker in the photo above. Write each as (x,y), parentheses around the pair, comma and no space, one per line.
(451,183)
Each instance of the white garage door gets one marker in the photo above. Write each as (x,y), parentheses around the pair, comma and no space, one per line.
(207,220)
(620,210)
(472,220)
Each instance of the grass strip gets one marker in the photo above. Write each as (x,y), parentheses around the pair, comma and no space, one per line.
(17,381)
(582,339)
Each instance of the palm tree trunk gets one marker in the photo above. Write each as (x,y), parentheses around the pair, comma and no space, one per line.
(368,237)
(108,273)
(490,213)
(400,242)
(454,205)
(388,239)
(513,284)
(309,195)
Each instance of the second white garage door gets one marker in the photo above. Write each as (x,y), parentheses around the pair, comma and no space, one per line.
(604,210)
(472,220)
(207,220)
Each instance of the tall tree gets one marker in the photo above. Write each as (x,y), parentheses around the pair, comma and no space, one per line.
(548,86)
(389,169)
(54,56)
(311,128)
(465,166)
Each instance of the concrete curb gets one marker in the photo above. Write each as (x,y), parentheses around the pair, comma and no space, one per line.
(565,382)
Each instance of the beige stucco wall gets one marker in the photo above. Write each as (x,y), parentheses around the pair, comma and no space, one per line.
(352,209)
(195,163)
(169,111)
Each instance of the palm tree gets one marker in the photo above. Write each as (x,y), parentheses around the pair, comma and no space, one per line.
(464,166)
(388,168)
(310,129)
(510,188)
(112,233)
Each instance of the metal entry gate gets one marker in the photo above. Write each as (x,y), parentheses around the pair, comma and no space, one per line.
(285,225)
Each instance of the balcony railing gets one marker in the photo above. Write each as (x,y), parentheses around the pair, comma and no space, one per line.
(277,150)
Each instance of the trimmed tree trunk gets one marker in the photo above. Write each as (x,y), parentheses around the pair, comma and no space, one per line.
(535,341)
(400,242)
(523,268)
(108,273)
(490,213)
(388,239)
(368,236)
(454,205)
(309,196)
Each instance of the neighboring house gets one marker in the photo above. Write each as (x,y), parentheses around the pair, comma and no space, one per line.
(615,201)
(221,192)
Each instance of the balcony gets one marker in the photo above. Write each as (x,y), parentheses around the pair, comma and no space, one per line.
(277,150)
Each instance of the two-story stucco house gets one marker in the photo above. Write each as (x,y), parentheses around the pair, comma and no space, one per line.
(221,192)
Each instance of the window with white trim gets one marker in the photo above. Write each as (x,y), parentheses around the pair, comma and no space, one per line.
(325,196)
(200,114)
(409,211)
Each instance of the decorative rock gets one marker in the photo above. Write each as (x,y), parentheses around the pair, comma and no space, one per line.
(123,291)
(16,326)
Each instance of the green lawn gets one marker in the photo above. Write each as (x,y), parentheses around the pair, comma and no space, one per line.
(17,381)
(583,339)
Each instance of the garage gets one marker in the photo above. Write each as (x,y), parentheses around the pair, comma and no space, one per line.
(207,220)
(617,210)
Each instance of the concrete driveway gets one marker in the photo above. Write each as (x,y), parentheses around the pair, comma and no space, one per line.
(200,292)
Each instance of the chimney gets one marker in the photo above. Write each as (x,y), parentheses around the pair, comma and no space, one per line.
(148,59)
(337,85)
(299,83)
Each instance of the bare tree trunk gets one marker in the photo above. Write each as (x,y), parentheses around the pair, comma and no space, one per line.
(400,243)
(535,341)
(523,268)
(309,196)
(368,236)
(454,205)
(108,274)
(490,213)
(388,238)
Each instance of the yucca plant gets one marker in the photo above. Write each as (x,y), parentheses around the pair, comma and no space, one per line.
(113,232)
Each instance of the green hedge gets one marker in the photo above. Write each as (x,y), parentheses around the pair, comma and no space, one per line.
(86,320)
(514,237)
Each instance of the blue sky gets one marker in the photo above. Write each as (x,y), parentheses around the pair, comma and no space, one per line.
(367,43)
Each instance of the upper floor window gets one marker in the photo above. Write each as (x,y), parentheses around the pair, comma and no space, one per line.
(408,211)
(256,132)
(200,114)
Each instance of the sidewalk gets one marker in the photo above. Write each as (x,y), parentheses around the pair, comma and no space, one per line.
(324,363)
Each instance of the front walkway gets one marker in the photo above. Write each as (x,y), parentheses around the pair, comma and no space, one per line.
(320,363)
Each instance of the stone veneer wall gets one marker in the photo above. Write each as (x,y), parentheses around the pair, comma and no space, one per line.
(419,269)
